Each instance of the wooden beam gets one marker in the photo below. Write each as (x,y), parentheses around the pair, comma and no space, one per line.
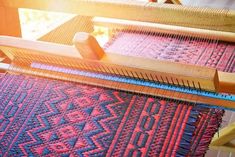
(213,19)
(163,28)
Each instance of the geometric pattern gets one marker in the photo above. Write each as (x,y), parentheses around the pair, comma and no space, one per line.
(43,117)
(198,51)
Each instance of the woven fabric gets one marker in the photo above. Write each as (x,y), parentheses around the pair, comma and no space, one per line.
(40,117)
(215,54)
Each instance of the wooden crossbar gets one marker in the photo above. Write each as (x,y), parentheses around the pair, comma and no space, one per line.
(214,19)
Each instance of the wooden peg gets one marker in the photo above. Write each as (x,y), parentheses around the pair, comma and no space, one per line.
(88,46)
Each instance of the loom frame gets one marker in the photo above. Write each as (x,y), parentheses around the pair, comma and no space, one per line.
(9,8)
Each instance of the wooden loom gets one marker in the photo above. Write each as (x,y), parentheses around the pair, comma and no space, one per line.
(152,77)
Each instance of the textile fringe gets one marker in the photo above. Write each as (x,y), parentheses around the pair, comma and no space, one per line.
(185,142)
(213,125)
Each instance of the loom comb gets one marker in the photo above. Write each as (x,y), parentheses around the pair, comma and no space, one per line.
(86,62)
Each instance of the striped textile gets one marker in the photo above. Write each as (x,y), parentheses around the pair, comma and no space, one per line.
(42,117)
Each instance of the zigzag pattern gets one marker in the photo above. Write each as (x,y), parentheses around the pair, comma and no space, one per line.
(70,119)
(42,117)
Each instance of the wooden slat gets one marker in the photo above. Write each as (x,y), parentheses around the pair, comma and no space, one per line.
(163,28)
(214,19)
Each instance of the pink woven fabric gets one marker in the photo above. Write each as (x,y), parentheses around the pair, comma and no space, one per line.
(43,117)
(220,55)
(215,54)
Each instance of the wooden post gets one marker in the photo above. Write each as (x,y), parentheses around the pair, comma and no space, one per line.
(9,21)
(9,25)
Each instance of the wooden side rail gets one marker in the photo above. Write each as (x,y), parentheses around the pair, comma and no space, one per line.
(163,28)
(214,19)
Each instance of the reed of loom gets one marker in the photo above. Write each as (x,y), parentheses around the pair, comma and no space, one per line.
(87,55)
